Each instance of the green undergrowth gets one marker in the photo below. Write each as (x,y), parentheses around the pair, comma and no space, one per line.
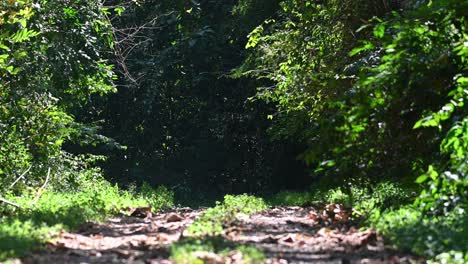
(212,221)
(364,199)
(389,208)
(24,229)
(198,250)
(438,237)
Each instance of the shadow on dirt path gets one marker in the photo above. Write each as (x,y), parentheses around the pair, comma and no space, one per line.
(284,234)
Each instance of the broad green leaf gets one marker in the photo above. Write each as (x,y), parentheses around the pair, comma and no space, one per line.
(422,178)
(367,46)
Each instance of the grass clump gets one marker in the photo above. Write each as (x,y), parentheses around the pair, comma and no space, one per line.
(212,221)
(212,249)
(363,198)
(434,236)
(24,229)
(17,237)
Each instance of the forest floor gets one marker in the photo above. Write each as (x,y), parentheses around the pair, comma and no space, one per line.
(283,234)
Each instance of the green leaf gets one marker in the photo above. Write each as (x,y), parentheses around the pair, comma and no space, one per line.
(22,22)
(23,34)
(379,31)
(428,121)
(418,124)
(422,178)
(2,46)
(119,10)
(367,46)
(362,28)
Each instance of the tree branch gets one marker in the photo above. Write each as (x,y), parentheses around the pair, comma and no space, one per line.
(39,191)
(9,203)
(20,177)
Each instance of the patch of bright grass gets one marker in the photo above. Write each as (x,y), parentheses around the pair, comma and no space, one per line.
(17,237)
(211,221)
(24,229)
(200,250)
(427,235)
(362,198)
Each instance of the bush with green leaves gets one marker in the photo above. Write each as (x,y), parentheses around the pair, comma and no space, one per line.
(354,104)
(18,237)
(302,59)
(158,198)
(452,256)
(426,235)
(364,199)
(51,63)
(371,98)
(421,73)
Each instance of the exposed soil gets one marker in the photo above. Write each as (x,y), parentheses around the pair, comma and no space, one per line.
(284,234)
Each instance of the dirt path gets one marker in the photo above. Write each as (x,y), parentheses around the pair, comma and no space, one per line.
(284,234)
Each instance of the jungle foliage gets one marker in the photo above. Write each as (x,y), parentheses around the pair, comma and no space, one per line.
(383,99)
(51,63)
(212,97)
(375,93)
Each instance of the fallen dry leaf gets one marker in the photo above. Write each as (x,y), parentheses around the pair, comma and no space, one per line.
(288,239)
(97,237)
(284,233)
(174,218)
(324,232)
(235,256)
(342,216)
(313,215)
(142,212)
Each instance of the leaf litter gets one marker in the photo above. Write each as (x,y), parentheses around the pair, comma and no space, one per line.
(284,234)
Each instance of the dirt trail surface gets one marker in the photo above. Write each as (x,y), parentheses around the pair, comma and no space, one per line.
(284,234)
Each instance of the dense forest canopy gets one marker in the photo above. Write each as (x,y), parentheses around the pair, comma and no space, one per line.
(211,97)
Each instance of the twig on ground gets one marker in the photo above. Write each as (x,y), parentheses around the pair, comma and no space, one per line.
(39,191)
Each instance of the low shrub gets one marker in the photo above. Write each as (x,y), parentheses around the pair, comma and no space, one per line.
(25,228)
(363,198)
(428,235)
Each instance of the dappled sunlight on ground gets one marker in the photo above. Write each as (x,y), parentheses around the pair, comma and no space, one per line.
(284,234)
